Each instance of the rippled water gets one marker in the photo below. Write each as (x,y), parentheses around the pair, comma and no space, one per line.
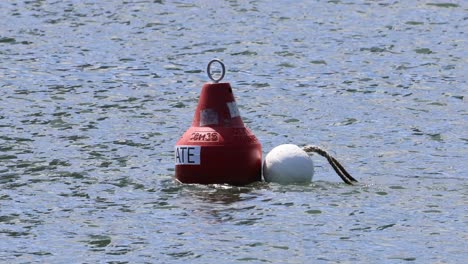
(94,95)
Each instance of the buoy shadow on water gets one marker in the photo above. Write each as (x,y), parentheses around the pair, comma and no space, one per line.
(221,193)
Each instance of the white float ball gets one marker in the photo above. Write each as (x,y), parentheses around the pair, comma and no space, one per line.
(288,163)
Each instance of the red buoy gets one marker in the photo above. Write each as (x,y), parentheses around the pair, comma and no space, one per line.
(218,148)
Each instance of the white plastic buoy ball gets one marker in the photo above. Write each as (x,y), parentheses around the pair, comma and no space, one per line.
(288,163)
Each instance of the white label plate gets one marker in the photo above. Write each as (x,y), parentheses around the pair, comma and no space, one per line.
(233,110)
(187,155)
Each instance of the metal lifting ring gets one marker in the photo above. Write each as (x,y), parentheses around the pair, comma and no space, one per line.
(223,70)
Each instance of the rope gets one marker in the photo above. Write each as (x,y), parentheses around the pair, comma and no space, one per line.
(344,175)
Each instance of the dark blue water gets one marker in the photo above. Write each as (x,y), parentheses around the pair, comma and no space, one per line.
(94,96)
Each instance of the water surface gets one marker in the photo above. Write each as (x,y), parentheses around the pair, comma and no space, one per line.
(94,96)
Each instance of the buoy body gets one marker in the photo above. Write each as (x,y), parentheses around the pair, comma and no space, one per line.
(288,163)
(218,148)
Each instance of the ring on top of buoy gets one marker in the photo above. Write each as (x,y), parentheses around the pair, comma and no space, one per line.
(210,75)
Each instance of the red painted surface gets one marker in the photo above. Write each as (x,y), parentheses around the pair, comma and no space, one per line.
(228,151)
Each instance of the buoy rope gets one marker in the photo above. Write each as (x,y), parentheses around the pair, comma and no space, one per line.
(344,175)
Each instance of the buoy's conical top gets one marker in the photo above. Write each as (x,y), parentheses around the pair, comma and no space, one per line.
(217,107)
